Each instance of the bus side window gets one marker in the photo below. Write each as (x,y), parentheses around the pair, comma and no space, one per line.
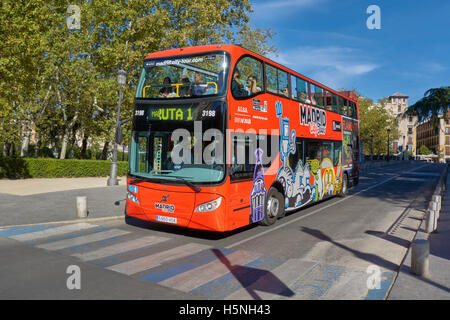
(242,167)
(297,156)
(337,148)
(327,100)
(334,103)
(312,151)
(327,151)
(299,89)
(353,110)
(251,76)
(316,95)
(341,105)
(277,81)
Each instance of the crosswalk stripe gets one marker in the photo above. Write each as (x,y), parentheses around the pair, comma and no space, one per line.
(9,232)
(194,278)
(241,276)
(120,248)
(62,244)
(52,232)
(183,265)
(276,283)
(151,261)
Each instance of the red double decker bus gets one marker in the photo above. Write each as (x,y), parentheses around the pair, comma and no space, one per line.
(223,137)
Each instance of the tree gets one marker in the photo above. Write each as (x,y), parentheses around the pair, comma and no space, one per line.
(424,150)
(436,101)
(61,82)
(374,121)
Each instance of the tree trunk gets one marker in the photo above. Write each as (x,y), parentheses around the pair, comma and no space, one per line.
(84,148)
(62,155)
(12,149)
(105,151)
(37,148)
(25,140)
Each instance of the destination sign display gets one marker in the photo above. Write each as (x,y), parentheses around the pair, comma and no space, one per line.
(170,113)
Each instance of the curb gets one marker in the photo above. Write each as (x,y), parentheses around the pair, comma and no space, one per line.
(421,233)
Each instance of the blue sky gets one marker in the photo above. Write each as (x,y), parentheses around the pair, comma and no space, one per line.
(328,40)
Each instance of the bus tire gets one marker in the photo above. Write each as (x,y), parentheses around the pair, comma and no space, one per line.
(274,207)
(344,189)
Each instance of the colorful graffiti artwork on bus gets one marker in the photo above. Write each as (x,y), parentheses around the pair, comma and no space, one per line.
(259,191)
(310,181)
(298,190)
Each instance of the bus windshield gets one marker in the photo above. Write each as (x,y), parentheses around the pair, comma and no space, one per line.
(183,76)
(182,141)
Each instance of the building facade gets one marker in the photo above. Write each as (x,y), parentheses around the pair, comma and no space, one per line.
(436,136)
(396,105)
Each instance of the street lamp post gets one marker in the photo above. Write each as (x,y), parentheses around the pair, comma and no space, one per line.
(388,133)
(404,148)
(121,80)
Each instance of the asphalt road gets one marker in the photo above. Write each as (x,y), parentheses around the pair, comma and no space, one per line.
(321,252)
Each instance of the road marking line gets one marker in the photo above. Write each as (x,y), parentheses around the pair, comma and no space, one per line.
(314,212)
(53,231)
(154,260)
(197,277)
(120,248)
(67,243)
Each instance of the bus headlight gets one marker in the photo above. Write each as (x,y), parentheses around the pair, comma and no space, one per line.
(209,206)
(132,198)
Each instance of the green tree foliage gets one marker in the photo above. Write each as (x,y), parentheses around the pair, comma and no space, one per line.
(424,150)
(436,101)
(61,83)
(374,122)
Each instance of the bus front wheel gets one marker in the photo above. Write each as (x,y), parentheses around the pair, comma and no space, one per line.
(274,207)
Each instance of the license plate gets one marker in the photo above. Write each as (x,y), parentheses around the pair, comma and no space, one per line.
(166,219)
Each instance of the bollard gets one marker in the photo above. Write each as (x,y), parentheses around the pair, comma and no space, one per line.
(430,222)
(82,207)
(433,205)
(437,200)
(420,251)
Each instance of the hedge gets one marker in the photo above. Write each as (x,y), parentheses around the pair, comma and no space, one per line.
(16,168)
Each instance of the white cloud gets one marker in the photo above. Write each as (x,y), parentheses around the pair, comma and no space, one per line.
(333,66)
(275,10)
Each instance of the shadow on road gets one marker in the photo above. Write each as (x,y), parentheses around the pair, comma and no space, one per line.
(192,233)
(249,278)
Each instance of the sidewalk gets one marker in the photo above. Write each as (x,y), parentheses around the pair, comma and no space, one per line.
(30,201)
(437,286)
(26,187)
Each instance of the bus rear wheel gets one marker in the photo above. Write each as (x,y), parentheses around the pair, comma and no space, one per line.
(274,207)
(344,189)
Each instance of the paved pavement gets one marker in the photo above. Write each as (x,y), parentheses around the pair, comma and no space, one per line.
(31,201)
(437,285)
(320,252)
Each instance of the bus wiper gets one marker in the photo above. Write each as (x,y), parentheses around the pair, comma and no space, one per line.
(186,182)
(139,179)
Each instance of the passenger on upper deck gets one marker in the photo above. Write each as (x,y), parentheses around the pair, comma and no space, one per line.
(236,86)
(167,89)
(199,86)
